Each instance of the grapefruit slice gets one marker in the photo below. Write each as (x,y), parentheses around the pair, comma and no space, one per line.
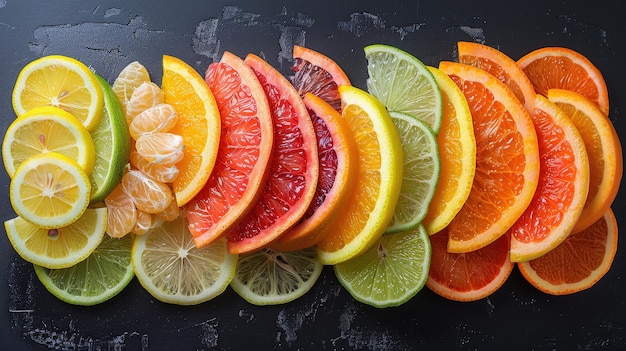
(337,167)
(507,159)
(468,276)
(578,263)
(562,188)
(294,166)
(245,149)
(318,74)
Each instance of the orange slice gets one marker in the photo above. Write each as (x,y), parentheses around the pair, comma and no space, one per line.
(577,263)
(468,276)
(507,159)
(562,189)
(457,154)
(562,68)
(198,123)
(502,67)
(603,149)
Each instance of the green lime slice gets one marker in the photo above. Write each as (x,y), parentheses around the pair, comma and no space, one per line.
(112,143)
(403,84)
(390,272)
(269,277)
(421,172)
(102,275)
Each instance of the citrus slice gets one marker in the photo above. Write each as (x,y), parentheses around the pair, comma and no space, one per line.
(50,190)
(131,77)
(59,247)
(98,278)
(47,129)
(246,144)
(294,165)
(562,189)
(507,159)
(603,149)
(563,68)
(317,74)
(112,144)
(62,82)
(420,175)
(403,84)
(268,277)
(198,123)
(468,276)
(338,165)
(457,156)
(502,67)
(389,273)
(173,270)
(377,189)
(578,263)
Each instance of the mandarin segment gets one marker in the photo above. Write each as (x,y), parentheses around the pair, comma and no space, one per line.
(155,119)
(147,95)
(131,77)
(161,148)
(148,195)
(122,213)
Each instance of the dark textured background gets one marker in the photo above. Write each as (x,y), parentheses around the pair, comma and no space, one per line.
(107,35)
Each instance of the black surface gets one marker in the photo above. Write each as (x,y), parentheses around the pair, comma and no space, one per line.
(107,35)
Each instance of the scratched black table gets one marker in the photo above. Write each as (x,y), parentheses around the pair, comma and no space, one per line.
(107,35)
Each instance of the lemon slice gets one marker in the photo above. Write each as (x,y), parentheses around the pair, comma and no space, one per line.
(62,82)
(50,190)
(98,278)
(58,248)
(112,144)
(170,267)
(47,129)
(421,172)
(403,84)
(389,273)
(269,277)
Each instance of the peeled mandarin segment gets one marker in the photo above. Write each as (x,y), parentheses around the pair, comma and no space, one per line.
(143,223)
(147,194)
(376,189)
(162,173)
(603,149)
(246,145)
(563,68)
(457,152)
(170,213)
(47,129)
(122,213)
(562,189)
(155,119)
(131,77)
(507,159)
(62,82)
(146,95)
(161,148)
(502,67)
(562,271)
(50,190)
(198,124)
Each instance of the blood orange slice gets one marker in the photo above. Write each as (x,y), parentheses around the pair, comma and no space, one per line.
(245,148)
(468,276)
(502,67)
(507,159)
(577,263)
(294,166)
(337,167)
(562,188)
(318,74)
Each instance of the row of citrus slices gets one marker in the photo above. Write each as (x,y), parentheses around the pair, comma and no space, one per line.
(272,161)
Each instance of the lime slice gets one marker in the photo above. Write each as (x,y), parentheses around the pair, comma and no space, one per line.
(102,275)
(58,248)
(112,143)
(390,272)
(269,277)
(421,172)
(173,270)
(403,84)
